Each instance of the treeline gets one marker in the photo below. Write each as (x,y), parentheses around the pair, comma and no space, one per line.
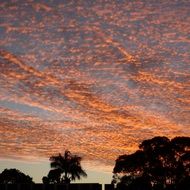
(158,164)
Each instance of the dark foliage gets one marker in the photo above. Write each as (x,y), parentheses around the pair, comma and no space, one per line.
(13,176)
(65,168)
(159,163)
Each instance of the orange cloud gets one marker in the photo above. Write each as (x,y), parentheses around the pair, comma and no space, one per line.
(94,78)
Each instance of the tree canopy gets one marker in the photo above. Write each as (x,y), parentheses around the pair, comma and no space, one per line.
(160,163)
(13,176)
(65,168)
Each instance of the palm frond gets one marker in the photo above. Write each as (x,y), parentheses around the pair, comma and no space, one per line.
(69,165)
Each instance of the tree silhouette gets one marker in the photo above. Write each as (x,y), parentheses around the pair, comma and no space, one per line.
(162,163)
(12,176)
(54,176)
(65,168)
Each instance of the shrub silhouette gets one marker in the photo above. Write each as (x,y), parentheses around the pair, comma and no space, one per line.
(13,176)
(160,162)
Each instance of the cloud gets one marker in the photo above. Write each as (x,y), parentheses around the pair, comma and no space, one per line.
(94,78)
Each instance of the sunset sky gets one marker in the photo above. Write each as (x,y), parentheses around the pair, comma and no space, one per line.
(93,76)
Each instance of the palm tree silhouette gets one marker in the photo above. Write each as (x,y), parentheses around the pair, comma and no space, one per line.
(68,165)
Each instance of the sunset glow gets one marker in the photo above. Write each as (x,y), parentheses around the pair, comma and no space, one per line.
(94,77)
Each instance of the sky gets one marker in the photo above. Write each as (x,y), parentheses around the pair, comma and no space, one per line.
(94,77)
